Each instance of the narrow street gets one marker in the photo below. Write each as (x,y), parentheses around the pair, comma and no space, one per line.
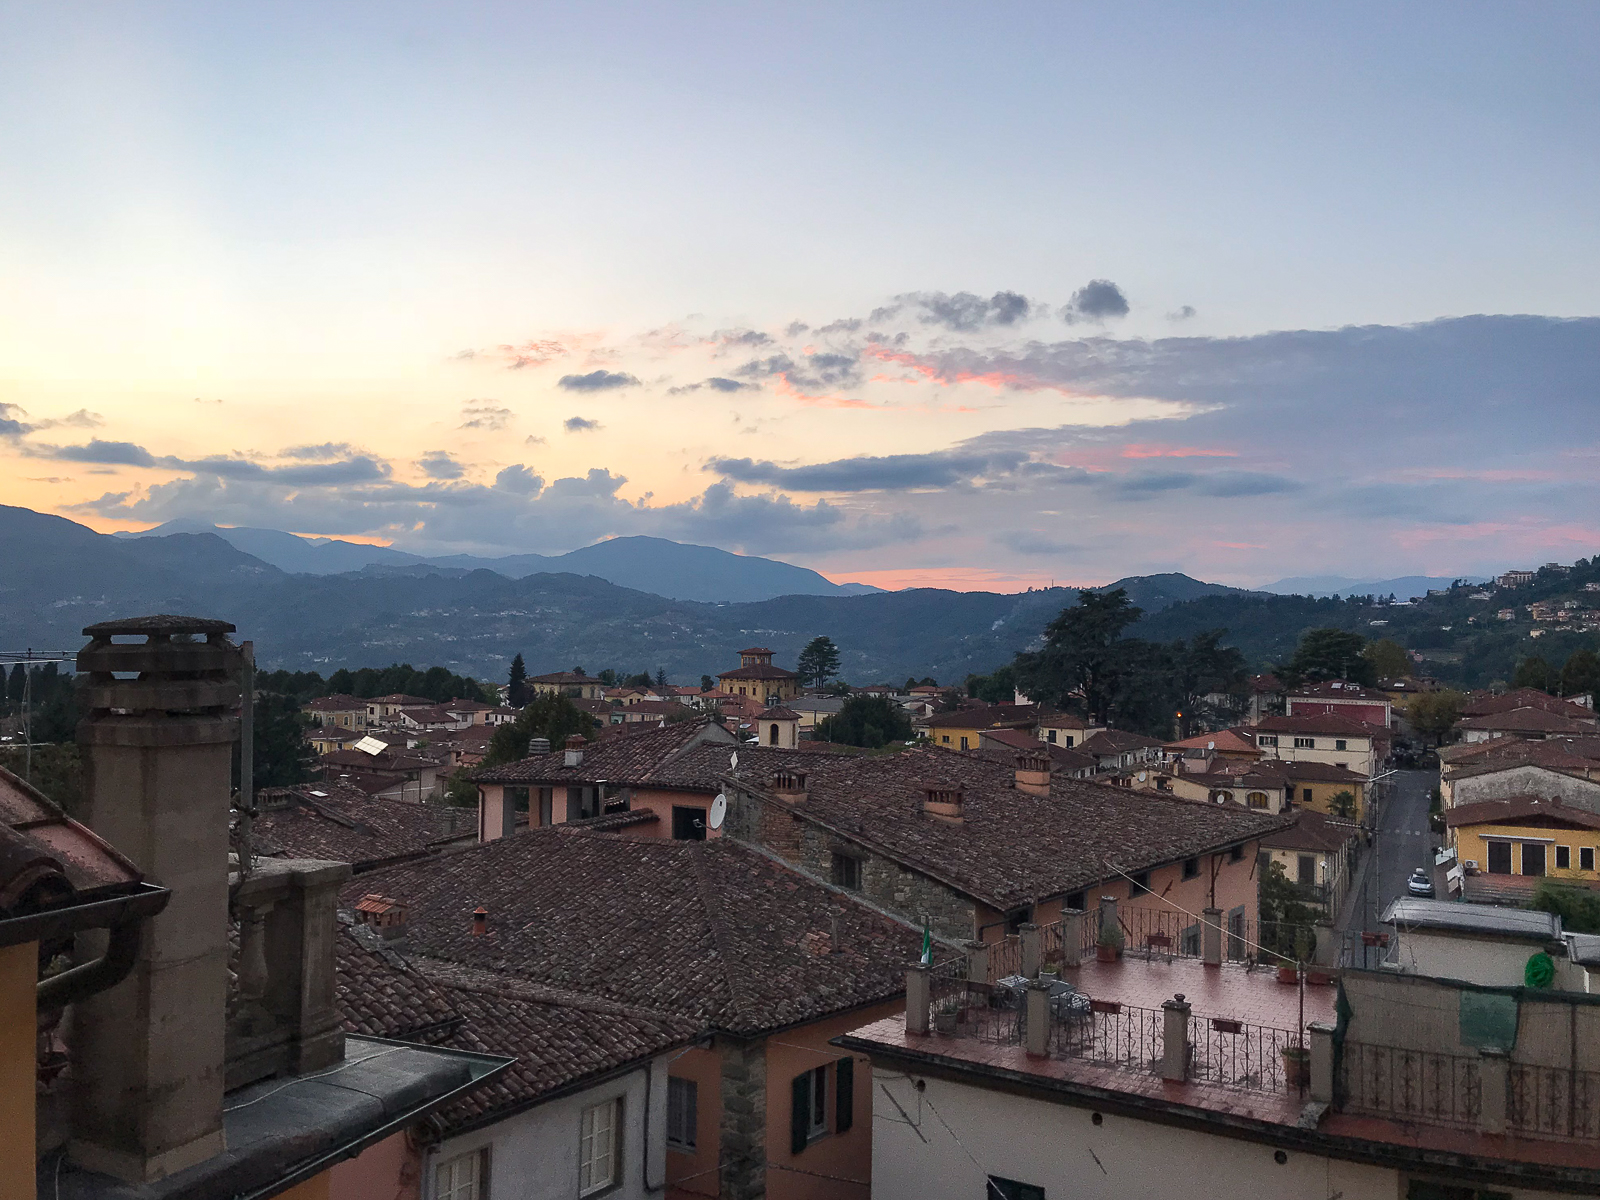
(1402,844)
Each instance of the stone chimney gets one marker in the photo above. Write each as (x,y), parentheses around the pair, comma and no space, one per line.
(1034,768)
(385,914)
(789,786)
(575,745)
(480,921)
(157,741)
(944,802)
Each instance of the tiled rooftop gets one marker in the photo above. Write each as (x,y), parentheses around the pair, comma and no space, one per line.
(632,759)
(345,824)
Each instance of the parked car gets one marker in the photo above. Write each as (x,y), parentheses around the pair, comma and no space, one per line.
(1420,883)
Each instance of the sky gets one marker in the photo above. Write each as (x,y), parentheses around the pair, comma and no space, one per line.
(934,295)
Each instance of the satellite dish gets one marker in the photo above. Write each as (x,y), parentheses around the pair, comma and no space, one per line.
(1141,776)
(719,810)
(733,761)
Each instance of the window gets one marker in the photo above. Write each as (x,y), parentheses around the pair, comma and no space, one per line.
(1050,736)
(1139,884)
(1306,869)
(688,823)
(1563,858)
(847,871)
(808,1108)
(683,1097)
(1189,941)
(1191,868)
(1305,795)
(944,738)
(518,796)
(1069,741)
(1532,858)
(599,1144)
(546,807)
(1011,1189)
(1255,800)
(464,1177)
(1305,743)
(1075,902)
(582,803)
(963,743)
(1236,853)
(1499,858)
(1266,739)
(1585,858)
(1340,744)
(772,736)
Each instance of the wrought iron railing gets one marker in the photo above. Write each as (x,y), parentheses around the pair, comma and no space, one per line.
(1108,1034)
(1238,1054)
(1555,1101)
(1410,1085)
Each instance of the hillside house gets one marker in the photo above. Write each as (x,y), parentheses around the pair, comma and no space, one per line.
(1338,697)
(1338,741)
(574,685)
(756,678)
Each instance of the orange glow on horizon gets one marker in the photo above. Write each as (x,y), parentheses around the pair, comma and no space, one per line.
(954,579)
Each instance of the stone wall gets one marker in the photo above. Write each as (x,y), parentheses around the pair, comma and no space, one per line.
(743,1140)
(810,848)
(1526,781)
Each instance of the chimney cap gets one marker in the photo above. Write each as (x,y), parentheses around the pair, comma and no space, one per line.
(574,740)
(157,625)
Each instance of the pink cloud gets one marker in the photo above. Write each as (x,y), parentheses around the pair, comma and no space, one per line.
(784,388)
(1148,450)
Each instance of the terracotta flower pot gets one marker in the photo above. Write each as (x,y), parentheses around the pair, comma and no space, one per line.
(1296,1066)
(1287,975)
(1105,952)
(1319,978)
(944,1022)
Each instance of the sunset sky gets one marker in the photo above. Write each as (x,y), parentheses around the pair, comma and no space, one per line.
(956,295)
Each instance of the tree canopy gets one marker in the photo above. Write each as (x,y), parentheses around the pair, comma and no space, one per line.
(1329,654)
(819,661)
(870,721)
(1534,672)
(546,715)
(1434,714)
(517,691)
(1388,658)
(1581,674)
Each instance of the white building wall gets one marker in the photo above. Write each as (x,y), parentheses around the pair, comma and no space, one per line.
(961,1134)
(534,1155)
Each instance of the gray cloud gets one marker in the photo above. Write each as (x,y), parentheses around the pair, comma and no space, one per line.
(519,480)
(1033,541)
(1097,300)
(596,381)
(357,469)
(321,451)
(889,472)
(439,464)
(1181,314)
(963,312)
(742,337)
(579,424)
(11,423)
(481,414)
(716,383)
(119,454)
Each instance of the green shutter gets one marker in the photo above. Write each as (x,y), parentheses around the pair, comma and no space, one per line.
(844,1073)
(799,1111)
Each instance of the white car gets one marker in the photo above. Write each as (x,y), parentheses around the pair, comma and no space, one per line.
(1420,884)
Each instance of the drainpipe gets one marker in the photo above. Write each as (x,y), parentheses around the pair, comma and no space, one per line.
(85,980)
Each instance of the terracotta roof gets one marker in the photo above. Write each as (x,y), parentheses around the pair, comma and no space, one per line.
(1506,753)
(710,931)
(779,713)
(340,703)
(571,677)
(391,760)
(45,855)
(989,716)
(1313,831)
(1338,689)
(1050,719)
(1266,683)
(378,993)
(1014,848)
(1001,745)
(1518,810)
(1483,703)
(400,698)
(1528,720)
(1117,741)
(1314,772)
(345,824)
(755,650)
(758,671)
(630,760)
(1223,740)
(373,784)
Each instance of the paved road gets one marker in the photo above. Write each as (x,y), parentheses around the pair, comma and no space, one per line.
(1403,843)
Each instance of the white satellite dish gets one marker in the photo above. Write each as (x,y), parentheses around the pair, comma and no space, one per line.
(733,761)
(1141,776)
(719,811)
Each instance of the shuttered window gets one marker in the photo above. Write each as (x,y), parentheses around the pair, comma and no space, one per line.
(844,1103)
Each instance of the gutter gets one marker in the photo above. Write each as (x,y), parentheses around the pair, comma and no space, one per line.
(123,915)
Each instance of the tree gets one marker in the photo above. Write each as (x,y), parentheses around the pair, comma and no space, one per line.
(1533,672)
(1330,654)
(1581,674)
(18,681)
(707,684)
(997,688)
(1434,714)
(1388,658)
(819,661)
(1343,804)
(517,692)
(1577,906)
(461,791)
(1082,654)
(1205,667)
(281,755)
(546,715)
(870,721)
(661,677)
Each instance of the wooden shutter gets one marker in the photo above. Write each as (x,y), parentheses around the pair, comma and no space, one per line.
(844,1073)
(799,1111)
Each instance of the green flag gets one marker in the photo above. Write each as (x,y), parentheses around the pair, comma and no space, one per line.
(927,944)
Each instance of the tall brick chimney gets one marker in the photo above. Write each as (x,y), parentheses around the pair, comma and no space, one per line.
(789,786)
(157,741)
(1033,772)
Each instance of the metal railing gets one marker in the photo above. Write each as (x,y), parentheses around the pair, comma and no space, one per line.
(1159,931)
(1109,1034)
(1555,1101)
(1005,957)
(1410,1085)
(1238,1054)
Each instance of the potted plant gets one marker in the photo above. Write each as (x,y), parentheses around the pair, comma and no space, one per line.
(1296,1066)
(946,1015)
(1050,973)
(1109,947)
(1288,972)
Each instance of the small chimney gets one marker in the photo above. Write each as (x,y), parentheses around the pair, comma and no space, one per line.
(480,921)
(944,802)
(538,745)
(1034,768)
(575,745)
(384,913)
(789,786)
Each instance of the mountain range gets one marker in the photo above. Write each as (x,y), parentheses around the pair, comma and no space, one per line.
(665,568)
(1404,587)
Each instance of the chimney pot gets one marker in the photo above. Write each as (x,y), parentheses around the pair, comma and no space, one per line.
(480,921)
(944,802)
(574,752)
(789,786)
(538,745)
(1034,768)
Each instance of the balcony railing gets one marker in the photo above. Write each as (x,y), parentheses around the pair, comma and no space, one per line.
(1553,1101)
(1238,1054)
(1410,1085)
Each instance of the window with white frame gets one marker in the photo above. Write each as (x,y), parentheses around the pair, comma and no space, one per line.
(464,1177)
(1305,743)
(599,1147)
(683,1100)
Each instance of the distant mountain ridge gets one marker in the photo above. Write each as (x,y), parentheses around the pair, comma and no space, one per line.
(1156,592)
(677,570)
(1403,587)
